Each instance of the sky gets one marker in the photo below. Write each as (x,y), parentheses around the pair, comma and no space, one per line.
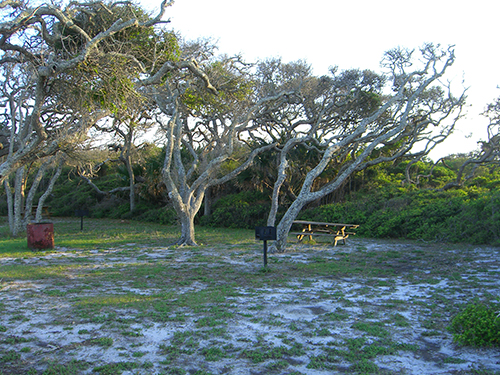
(355,34)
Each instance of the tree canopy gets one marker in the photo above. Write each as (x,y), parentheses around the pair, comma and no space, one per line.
(112,67)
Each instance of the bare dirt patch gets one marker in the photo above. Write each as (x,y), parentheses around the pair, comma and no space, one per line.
(366,307)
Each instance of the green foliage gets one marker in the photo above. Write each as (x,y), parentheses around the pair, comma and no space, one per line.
(371,328)
(233,88)
(153,189)
(477,325)
(247,209)
(74,193)
(262,354)
(115,368)
(469,215)
(106,80)
(105,342)
(213,353)
(10,356)
(73,367)
(163,215)
(373,198)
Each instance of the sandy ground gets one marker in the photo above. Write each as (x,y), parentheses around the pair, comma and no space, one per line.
(314,321)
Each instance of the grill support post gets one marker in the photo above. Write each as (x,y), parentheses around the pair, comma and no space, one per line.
(265,234)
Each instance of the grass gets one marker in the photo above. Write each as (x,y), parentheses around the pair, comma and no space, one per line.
(107,233)
(114,285)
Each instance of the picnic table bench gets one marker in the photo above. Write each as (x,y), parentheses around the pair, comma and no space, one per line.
(45,211)
(314,228)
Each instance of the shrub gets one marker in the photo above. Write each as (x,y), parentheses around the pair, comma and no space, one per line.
(163,215)
(109,207)
(469,215)
(478,325)
(243,210)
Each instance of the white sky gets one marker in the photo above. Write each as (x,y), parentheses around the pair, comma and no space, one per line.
(355,34)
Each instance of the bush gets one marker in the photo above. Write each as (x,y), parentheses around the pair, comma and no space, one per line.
(478,325)
(468,215)
(247,209)
(73,194)
(110,207)
(163,215)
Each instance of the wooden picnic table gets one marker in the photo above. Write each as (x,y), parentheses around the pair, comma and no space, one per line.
(45,211)
(315,228)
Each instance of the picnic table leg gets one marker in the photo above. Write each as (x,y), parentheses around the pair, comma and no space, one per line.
(305,230)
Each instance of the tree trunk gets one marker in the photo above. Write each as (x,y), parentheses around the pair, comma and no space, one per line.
(187,229)
(131,182)
(286,223)
(33,189)
(271,219)
(41,201)
(281,177)
(10,203)
(207,203)
(18,201)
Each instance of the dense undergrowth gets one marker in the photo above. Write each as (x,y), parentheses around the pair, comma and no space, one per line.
(376,199)
(467,215)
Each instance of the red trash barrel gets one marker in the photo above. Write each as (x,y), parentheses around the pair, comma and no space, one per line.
(40,236)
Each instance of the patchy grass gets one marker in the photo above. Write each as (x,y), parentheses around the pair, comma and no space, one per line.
(107,233)
(117,298)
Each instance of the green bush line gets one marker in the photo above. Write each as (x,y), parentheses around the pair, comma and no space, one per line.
(467,216)
(380,205)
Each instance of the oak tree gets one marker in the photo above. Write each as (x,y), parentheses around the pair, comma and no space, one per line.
(210,131)
(77,63)
(359,119)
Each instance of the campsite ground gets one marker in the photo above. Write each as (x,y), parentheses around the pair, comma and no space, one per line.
(143,307)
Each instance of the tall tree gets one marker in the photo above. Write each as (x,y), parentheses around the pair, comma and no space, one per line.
(211,134)
(20,204)
(358,119)
(16,98)
(488,152)
(126,127)
(78,63)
